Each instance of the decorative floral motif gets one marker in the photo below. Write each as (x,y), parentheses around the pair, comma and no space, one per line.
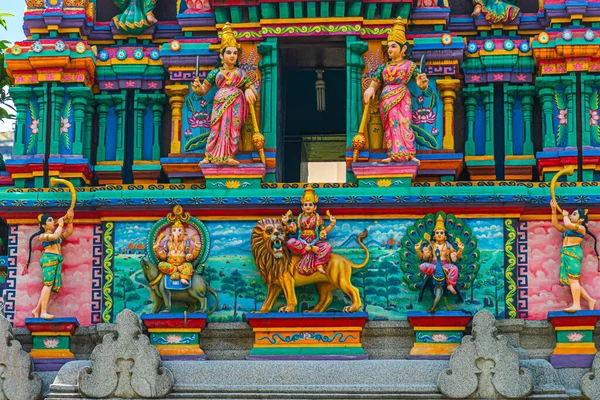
(51,343)
(187,132)
(64,125)
(575,337)
(384,183)
(439,337)
(173,339)
(232,184)
(562,116)
(424,116)
(594,117)
(200,119)
(37,47)
(60,46)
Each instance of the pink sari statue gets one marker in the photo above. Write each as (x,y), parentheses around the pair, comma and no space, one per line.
(230,104)
(395,107)
(228,115)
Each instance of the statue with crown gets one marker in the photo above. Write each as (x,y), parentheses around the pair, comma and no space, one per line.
(395,98)
(232,103)
(400,135)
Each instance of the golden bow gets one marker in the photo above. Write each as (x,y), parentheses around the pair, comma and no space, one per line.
(56,181)
(565,171)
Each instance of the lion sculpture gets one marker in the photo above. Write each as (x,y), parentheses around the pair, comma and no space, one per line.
(277,266)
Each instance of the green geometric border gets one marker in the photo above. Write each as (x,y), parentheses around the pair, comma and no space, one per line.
(510,237)
(108,266)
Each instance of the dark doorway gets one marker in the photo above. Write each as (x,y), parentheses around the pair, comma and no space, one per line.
(311,135)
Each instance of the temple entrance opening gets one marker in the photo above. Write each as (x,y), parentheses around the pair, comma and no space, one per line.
(313,93)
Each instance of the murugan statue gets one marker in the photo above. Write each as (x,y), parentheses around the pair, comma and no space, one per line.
(440,248)
(310,244)
(136,16)
(395,99)
(496,11)
(230,104)
(176,252)
(573,231)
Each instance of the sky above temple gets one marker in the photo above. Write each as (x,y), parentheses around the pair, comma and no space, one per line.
(14,33)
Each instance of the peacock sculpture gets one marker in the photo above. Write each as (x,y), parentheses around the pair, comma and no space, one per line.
(443,262)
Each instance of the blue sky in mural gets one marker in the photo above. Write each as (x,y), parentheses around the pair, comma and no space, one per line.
(137,233)
(229,237)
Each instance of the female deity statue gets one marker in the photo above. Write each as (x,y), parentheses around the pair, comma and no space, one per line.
(52,238)
(573,232)
(136,16)
(395,105)
(310,244)
(229,105)
(447,253)
(177,253)
(496,11)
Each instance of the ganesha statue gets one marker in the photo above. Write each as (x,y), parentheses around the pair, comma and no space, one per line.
(285,262)
(179,247)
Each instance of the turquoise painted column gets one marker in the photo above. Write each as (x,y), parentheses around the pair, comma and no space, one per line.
(80,97)
(58,97)
(527,103)
(509,102)
(140,109)
(21,97)
(268,96)
(103,106)
(570,92)
(546,95)
(488,102)
(87,131)
(157,111)
(354,66)
(40,92)
(121,115)
(470,94)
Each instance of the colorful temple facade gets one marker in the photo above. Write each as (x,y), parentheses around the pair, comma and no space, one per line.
(188,133)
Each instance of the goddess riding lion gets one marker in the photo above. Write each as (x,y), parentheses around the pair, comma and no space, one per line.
(277,266)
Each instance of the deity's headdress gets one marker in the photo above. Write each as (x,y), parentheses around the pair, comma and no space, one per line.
(439,224)
(309,195)
(398,33)
(178,217)
(227,38)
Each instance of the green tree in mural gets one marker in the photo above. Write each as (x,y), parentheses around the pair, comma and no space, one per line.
(236,286)
(362,279)
(210,274)
(478,284)
(257,292)
(494,284)
(388,281)
(6,109)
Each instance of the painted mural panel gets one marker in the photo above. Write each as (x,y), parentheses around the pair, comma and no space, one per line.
(230,270)
(545,293)
(75,299)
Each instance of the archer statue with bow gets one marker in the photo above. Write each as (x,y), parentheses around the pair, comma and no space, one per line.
(52,233)
(573,231)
